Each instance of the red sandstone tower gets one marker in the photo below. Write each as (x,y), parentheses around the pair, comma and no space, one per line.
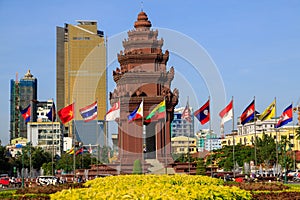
(143,76)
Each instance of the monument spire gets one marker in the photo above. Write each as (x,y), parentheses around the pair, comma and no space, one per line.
(143,76)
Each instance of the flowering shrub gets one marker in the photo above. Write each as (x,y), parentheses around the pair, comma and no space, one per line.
(154,187)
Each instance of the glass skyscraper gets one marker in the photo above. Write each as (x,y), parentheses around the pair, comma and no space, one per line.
(22,94)
(81,67)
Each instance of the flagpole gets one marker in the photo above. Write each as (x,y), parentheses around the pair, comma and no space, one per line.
(233,146)
(97,142)
(52,114)
(165,150)
(143,137)
(74,138)
(210,135)
(294,156)
(294,167)
(276,132)
(188,141)
(30,145)
(255,141)
(120,135)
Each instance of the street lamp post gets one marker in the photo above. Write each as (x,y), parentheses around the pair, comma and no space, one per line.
(22,171)
(283,145)
(20,146)
(285,170)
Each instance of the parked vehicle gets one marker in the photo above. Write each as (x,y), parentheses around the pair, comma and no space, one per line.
(47,180)
(15,182)
(4,182)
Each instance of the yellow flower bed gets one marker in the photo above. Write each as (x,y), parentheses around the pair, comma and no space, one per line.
(158,187)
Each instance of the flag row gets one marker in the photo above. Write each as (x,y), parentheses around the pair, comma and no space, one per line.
(89,113)
(249,114)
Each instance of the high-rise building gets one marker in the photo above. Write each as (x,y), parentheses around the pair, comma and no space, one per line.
(181,127)
(43,107)
(81,67)
(46,135)
(22,94)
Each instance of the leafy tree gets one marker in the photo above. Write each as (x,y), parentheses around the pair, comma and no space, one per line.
(4,161)
(39,157)
(47,167)
(137,167)
(228,165)
(285,158)
(224,156)
(84,161)
(65,163)
(104,154)
(183,157)
(266,150)
(22,158)
(200,169)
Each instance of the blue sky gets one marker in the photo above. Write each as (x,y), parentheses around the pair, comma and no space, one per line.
(255,45)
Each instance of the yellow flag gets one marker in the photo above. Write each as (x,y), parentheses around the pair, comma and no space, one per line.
(268,113)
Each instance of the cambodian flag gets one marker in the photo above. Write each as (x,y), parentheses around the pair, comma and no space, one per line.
(248,113)
(89,112)
(137,113)
(286,117)
(79,151)
(26,113)
(203,114)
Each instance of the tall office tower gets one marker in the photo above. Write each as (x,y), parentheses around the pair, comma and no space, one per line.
(22,94)
(81,67)
(181,127)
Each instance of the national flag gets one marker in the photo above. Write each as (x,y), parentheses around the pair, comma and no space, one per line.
(268,113)
(66,114)
(52,113)
(113,113)
(203,114)
(186,113)
(89,112)
(286,117)
(79,151)
(137,113)
(26,113)
(70,151)
(248,114)
(159,112)
(227,113)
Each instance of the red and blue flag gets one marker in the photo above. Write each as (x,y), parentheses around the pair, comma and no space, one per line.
(248,114)
(79,151)
(89,112)
(286,117)
(203,114)
(137,113)
(26,113)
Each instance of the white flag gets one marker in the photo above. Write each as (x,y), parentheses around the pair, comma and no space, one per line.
(113,113)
